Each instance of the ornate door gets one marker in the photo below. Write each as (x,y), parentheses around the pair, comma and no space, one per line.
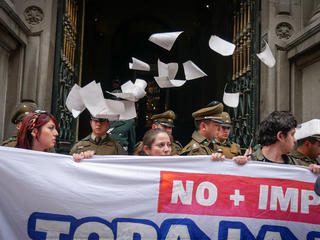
(245,77)
(67,67)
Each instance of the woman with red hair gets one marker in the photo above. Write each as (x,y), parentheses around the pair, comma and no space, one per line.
(38,131)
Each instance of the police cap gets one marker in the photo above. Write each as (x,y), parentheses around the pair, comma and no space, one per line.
(98,119)
(212,112)
(226,120)
(165,118)
(22,110)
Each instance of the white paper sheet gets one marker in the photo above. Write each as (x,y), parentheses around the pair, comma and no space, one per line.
(231,99)
(74,101)
(167,70)
(192,71)
(165,40)
(221,46)
(267,57)
(165,82)
(140,83)
(139,65)
(308,129)
(132,92)
(129,112)
(93,98)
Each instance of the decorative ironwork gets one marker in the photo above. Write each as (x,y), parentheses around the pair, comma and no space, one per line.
(152,102)
(66,68)
(245,73)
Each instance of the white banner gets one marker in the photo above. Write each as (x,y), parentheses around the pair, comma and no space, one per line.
(48,196)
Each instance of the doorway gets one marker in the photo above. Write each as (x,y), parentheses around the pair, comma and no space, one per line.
(115,31)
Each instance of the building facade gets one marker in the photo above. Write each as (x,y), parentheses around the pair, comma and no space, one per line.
(47,46)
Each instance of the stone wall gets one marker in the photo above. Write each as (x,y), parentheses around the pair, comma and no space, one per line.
(27,43)
(292,29)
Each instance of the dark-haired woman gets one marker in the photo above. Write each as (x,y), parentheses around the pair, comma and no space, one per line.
(38,131)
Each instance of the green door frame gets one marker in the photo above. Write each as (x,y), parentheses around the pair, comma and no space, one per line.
(67,67)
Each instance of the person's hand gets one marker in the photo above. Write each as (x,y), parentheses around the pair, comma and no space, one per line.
(77,157)
(314,168)
(217,157)
(248,152)
(241,160)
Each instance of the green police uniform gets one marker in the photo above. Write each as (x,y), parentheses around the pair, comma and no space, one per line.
(176,147)
(199,145)
(228,148)
(123,132)
(10,142)
(258,156)
(101,146)
(309,132)
(303,159)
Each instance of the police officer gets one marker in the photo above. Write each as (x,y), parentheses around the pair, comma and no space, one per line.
(21,111)
(308,143)
(98,141)
(123,132)
(164,121)
(276,138)
(229,149)
(207,124)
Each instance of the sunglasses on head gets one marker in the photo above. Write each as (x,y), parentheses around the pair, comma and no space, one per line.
(33,120)
(40,111)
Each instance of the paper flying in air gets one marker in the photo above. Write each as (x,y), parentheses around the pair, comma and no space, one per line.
(192,71)
(231,99)
(81,98)
(74,101)
(165,82)
(129,112)
(132,92)
(221,46)
(167,73)
(165,40)
(308,129)
(167,70)
(139,65)
(95,104)
(267,57)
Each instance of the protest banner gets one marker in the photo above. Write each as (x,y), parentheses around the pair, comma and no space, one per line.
(49,196)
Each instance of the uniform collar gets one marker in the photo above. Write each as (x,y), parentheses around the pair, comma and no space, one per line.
(200,138)
(93,137)
(299,155)
(226,142)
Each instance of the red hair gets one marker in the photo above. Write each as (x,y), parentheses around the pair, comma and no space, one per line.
(31,121)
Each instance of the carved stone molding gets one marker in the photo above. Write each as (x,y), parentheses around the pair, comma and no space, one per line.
(33,15)
(284,31)
(316,12)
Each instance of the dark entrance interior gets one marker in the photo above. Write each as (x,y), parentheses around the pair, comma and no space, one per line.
(115,31)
